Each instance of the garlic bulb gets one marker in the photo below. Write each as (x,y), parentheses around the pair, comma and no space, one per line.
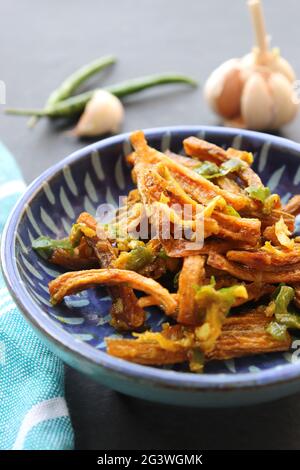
(103,114)
(256,91)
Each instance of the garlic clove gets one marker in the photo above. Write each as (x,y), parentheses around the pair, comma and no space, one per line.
(284,101)
(103,114)
(281,65)
(257,103)
(224,87)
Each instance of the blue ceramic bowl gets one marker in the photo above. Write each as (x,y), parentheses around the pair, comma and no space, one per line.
(75,330)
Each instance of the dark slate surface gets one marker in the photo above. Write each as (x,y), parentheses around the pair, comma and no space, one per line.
(40,43)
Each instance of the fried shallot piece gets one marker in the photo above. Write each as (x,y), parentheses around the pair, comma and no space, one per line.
(191,275)
(73,282)
(125,312)
(242,335)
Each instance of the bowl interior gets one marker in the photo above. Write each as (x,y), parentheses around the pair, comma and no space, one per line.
(100,175)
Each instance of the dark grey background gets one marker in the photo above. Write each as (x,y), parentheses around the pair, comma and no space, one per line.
(42,42)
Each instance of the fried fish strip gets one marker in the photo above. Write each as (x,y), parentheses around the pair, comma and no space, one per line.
(276,214)
(203,150)
(73,282)
(277,275)
(203,190)
(293,205)
(192,274)
(82,258)
(144,353)
(238,228)
(265,260)
(151,187)
(150,301)
(181,248)
(245,335)
(125,312)
(229,184)
(242,335)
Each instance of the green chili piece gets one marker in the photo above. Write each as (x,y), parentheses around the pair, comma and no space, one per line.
(210,170)
(277,331)
(45,246)
(284,314)
(138,258)
(259,193)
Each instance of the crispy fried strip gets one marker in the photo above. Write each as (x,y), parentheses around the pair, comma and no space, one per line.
(246,274)
(264,260)
(271,219)
(181,248)
(144,353)
(293,205)
(245,335)
(269,234)
(203,150)
(185,161)
(238,228)
(125,311)
(83,258)
(204,189)
(150,301)
(192,274)
(229,184)
(71,283)
(242,335)
(152,186)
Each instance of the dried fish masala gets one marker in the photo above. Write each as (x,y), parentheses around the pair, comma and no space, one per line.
(202,239)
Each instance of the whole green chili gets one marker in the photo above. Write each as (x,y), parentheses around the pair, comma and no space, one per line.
(71,83)
(77,78)
(76,104)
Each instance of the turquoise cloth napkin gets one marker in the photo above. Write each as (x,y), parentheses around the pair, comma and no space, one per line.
(33,411)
